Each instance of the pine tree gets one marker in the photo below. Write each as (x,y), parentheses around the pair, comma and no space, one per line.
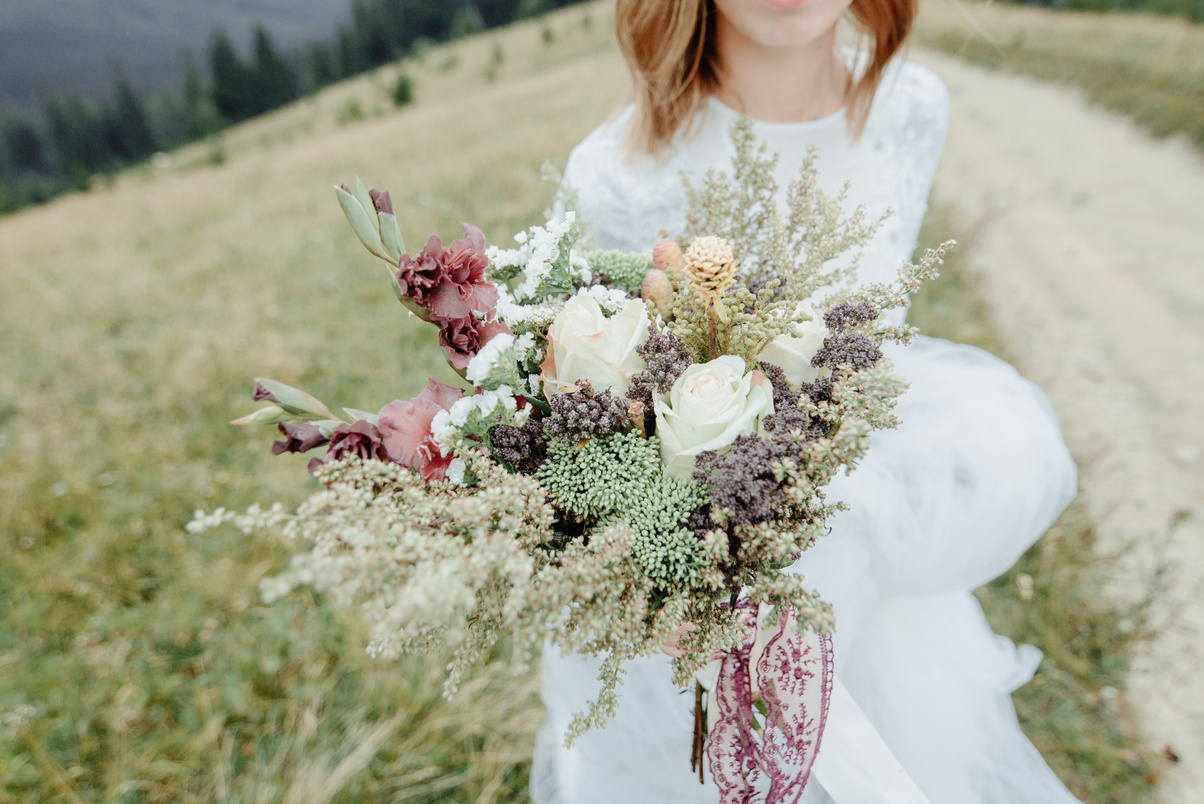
(22,147)
(126,128)
(75,133)
(273,81)
(321,66)
(230,79)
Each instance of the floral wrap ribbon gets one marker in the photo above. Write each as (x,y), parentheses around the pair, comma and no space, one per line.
(769,761)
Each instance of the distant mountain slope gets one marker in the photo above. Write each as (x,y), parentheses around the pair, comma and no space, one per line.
(60,43)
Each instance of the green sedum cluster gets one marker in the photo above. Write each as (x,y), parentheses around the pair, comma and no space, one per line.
(668,552)
(617,480)
(601,477)
(620,269)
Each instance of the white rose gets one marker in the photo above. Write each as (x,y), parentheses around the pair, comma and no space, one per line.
(583,344)
(708,406)
(792,352)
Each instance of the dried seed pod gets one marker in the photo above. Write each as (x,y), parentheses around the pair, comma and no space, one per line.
(711,269)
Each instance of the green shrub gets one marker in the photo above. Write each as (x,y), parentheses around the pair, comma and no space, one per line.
(403,90)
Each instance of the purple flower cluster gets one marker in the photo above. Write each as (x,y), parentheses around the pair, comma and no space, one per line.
(666,357)
(848,349)
(583,414)
(787,419)
(844,348)
(523,448)
(741,479)
(844,317)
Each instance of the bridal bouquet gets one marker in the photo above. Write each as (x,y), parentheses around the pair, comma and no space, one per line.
(641,442)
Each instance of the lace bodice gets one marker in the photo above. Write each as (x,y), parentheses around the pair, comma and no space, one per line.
(624,203)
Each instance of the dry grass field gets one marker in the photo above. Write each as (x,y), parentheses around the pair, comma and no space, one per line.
(1149,68)
(136,661)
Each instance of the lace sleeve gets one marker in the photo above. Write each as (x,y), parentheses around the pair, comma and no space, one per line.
(622,203)
(924,105)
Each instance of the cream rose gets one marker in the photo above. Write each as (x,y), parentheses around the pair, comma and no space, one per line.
(792,352)
(709,406)
(583,344)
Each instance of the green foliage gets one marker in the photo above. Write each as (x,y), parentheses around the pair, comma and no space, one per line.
(126,128)
(666,551)
(603,477)
(620,269)
(351,112)
(231,79)
(243,89)
(403,90)
(1192,10)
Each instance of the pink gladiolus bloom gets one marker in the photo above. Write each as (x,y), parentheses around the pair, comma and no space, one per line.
(405,427)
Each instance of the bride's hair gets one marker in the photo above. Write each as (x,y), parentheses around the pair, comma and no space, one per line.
(669,46)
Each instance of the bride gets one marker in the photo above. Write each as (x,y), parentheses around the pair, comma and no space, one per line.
(950,500)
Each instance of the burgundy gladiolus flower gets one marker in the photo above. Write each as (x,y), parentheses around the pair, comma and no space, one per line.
(297,437)
(464,289)
(422,275)
(464,337)
(466,258)
(405,427)
(360,439)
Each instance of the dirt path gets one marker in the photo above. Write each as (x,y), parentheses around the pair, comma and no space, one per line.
(1089,238)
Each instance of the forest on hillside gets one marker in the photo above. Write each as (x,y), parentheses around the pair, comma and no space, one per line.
(72,139)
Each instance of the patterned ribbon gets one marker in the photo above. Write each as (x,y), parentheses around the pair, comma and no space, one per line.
(767,756)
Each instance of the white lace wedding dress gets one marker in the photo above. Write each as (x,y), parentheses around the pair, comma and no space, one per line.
(945,503)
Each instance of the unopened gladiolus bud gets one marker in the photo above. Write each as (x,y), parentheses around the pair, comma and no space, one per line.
(293,400)
(390,233)
(363,223)
(365,198)
(362,415)
(270,414)
(381,201)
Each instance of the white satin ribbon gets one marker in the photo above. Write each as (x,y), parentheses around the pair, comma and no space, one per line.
(854,764)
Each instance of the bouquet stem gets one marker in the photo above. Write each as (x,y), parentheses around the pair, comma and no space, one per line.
(698,749)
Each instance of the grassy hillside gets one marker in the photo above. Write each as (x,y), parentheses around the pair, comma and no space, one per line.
(74,42)
(1148,68)
(136,662)
(132,319)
